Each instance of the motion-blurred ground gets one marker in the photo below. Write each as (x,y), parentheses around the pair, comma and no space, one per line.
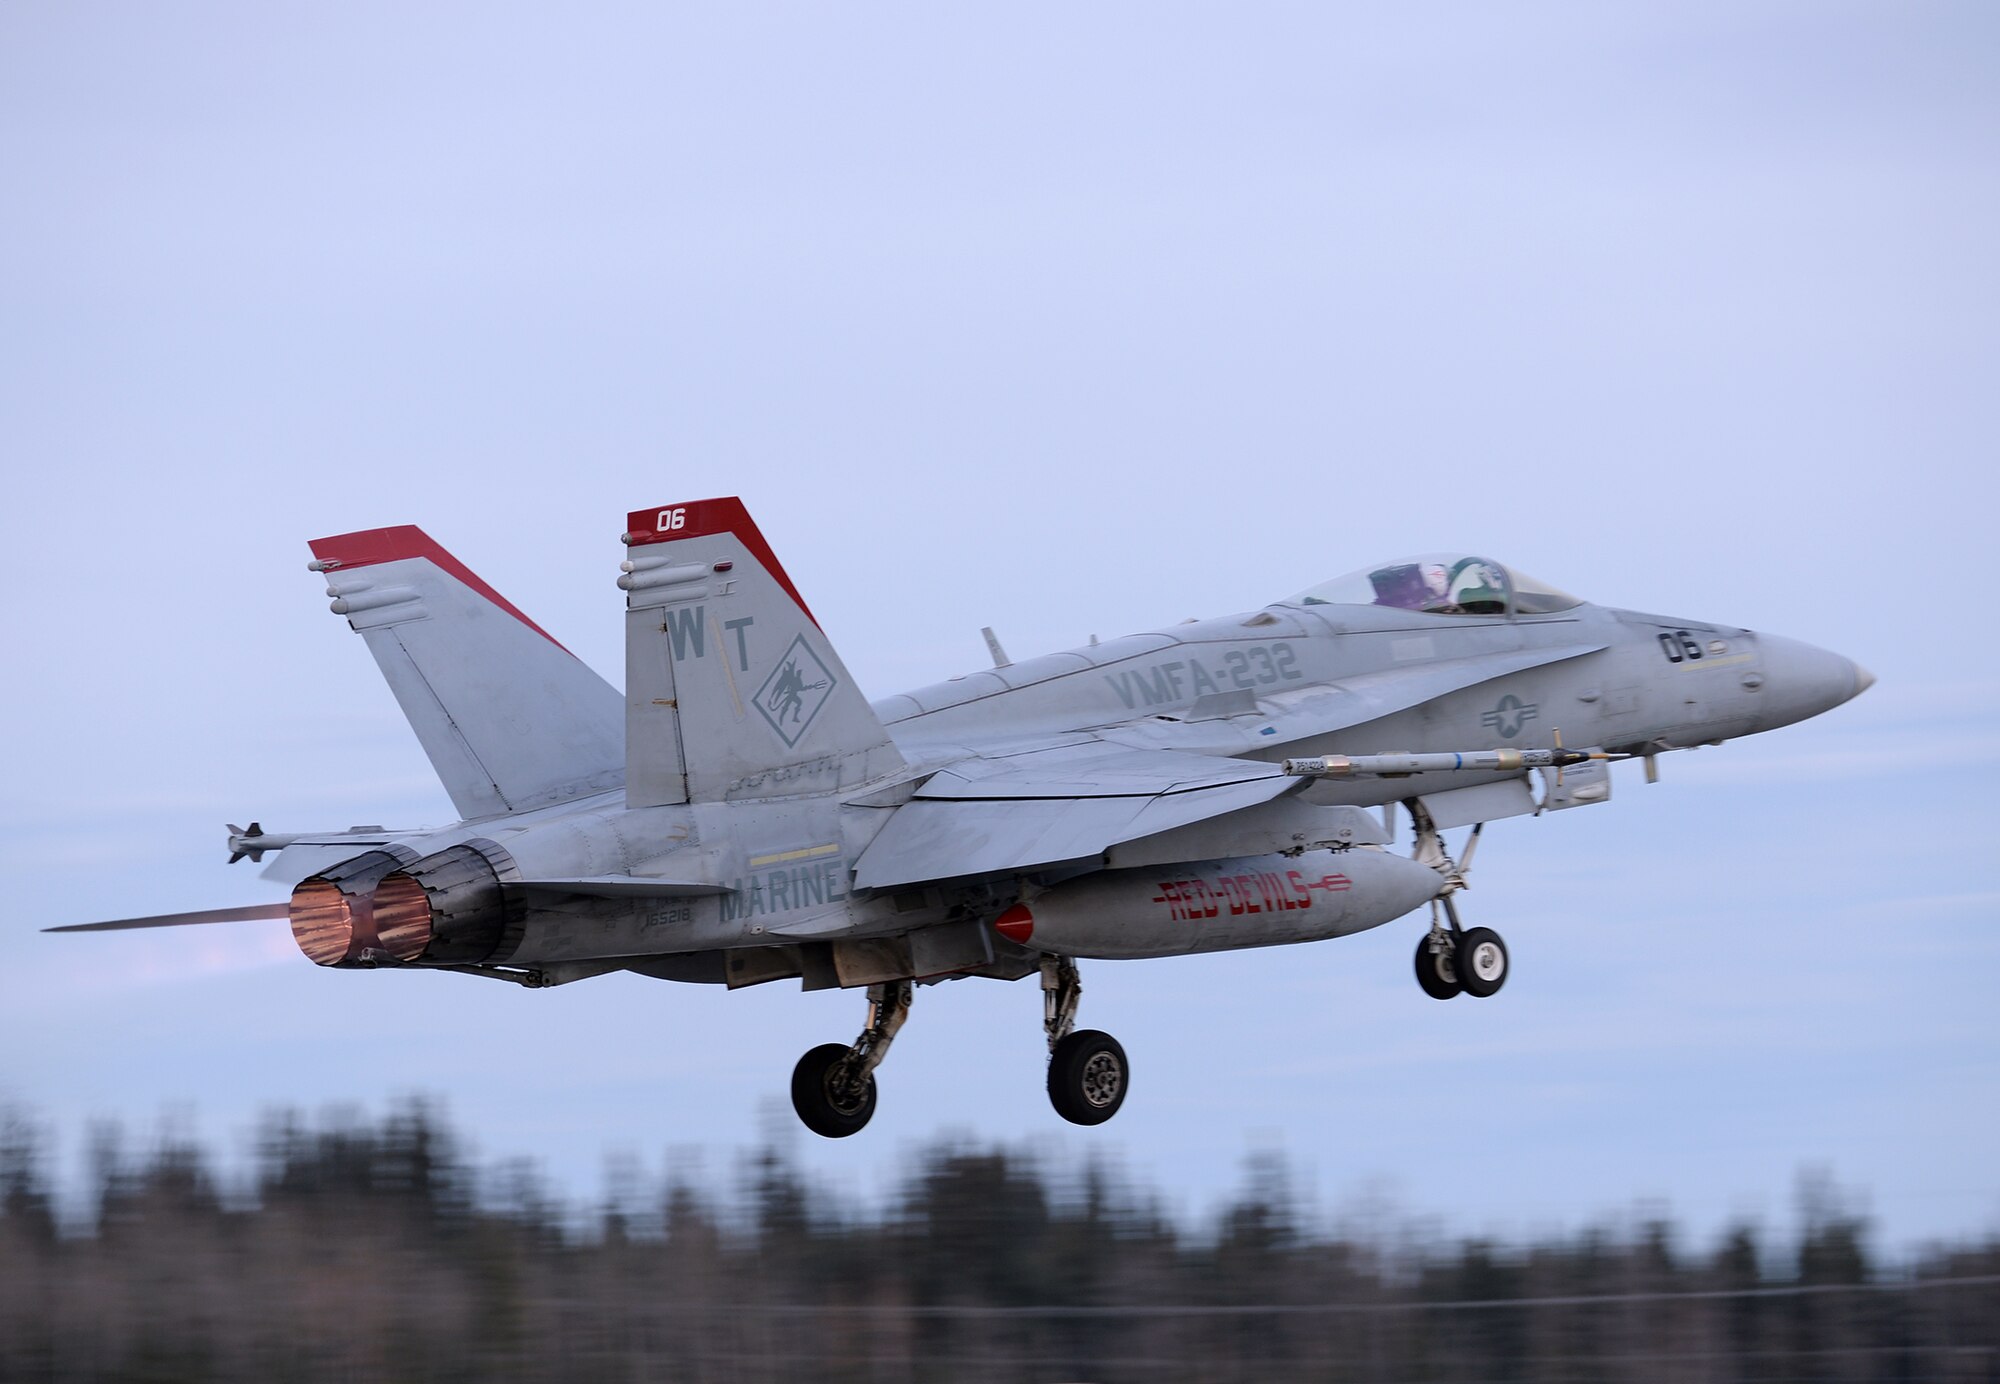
(376,1250)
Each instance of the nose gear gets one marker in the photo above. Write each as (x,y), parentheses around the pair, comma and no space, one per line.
(1450,959)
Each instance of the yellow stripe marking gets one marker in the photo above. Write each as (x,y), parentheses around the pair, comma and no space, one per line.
(808,853)
(1716,662)
(727,672)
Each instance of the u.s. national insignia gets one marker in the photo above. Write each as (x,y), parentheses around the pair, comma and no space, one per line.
(1506,719)
(796,690)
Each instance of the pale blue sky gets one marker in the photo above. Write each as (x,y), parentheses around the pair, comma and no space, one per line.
(1067,321)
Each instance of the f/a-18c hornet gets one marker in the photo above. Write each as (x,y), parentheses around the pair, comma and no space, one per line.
(742,814)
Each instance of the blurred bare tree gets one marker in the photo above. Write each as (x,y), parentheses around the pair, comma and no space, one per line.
(358,1249)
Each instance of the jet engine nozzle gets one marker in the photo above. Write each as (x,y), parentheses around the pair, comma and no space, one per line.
(322,921)
(456,911)
(390,906)
(333,912)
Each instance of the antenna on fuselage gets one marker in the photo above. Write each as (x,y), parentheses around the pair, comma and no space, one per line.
(1000,659)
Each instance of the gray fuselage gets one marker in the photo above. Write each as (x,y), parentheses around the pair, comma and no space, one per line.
(1241,686)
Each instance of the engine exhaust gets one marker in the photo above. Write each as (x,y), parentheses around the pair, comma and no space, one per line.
(445,909)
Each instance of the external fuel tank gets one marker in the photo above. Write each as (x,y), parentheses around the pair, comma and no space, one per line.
(1220,905)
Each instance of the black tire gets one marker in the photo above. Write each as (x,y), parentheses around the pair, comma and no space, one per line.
(1481,962)
(824,1111)
(1435,972)
(1088,1077)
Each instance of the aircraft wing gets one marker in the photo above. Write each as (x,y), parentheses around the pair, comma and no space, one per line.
(1088,769)
(1356,701)
(1072,801)
(1050,806)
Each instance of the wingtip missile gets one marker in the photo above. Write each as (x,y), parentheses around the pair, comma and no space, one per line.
(253,841)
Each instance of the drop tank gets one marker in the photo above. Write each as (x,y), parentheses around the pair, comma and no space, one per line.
(1219,905)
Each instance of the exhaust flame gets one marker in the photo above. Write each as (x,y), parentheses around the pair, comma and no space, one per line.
(322,921)
(402,917)
(386,906)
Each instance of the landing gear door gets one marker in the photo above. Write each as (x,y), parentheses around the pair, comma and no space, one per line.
(1485,802)
(1577,786)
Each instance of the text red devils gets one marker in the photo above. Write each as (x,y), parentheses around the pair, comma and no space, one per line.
(1263,892)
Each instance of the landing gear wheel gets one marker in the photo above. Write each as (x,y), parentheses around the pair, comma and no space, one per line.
(1435,972)
(1088,1077)
(828,1104)
(1481,962)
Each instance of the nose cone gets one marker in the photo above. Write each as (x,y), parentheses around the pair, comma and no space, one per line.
(1802,680)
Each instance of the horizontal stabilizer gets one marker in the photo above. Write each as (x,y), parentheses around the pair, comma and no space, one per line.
(308,855)
(254,913)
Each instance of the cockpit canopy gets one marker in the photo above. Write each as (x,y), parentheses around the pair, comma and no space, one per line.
(1442,584)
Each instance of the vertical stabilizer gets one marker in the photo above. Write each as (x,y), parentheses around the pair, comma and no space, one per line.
(731,689)
(510,718)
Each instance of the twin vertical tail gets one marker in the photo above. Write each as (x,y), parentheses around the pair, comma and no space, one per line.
(511,719)
(731,688)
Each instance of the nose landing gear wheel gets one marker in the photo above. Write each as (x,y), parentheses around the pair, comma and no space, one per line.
(1481,962)
(1435,971)
(827,1100)
(1088,1077)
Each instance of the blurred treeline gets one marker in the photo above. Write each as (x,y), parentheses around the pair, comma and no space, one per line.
(375,1250)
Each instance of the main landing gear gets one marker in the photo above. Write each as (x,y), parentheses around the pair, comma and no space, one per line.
(1451,959)
(833,1087)
(1088,1073)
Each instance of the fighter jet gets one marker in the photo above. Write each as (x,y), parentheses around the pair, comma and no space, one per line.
(742,814)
